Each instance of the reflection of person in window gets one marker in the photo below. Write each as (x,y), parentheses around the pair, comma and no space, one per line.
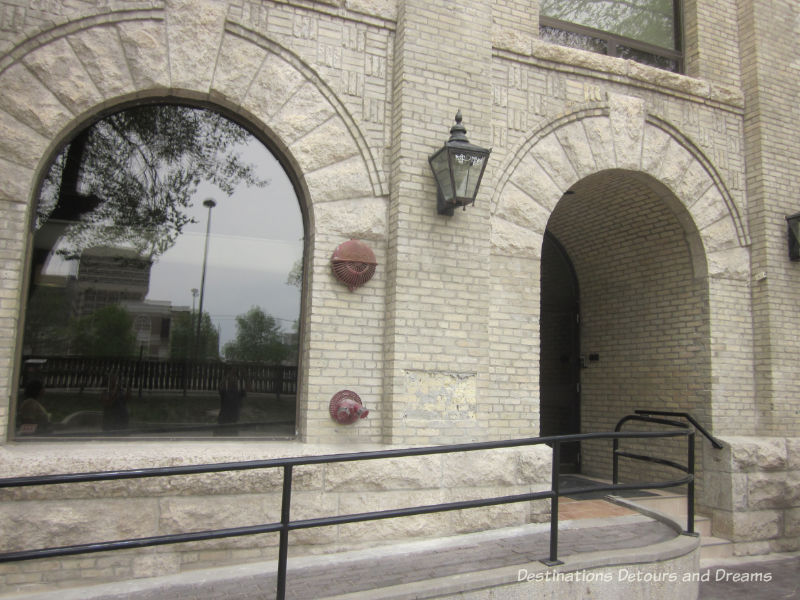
(230,396)
(115,405)
(31,411)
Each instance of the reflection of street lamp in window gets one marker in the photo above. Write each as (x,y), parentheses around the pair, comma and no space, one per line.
(192,315)
(208,202)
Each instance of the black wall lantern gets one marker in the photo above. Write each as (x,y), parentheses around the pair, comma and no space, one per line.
(458,168)
(794,236)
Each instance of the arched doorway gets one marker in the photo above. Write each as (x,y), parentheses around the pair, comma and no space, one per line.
(644,326)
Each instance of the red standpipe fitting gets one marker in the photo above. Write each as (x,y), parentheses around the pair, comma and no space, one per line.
(346,408)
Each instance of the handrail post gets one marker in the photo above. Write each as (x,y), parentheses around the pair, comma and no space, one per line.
(283,549)
(690,491)
(553,560)
(615,461)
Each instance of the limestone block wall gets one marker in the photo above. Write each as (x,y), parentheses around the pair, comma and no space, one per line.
(83,513)
(755,485)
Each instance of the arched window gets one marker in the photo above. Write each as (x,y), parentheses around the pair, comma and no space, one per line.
(165,282)
(647,31)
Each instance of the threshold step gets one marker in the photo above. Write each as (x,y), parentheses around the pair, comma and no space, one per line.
(713,548)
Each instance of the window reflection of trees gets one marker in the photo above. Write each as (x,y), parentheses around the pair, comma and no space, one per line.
(573,40)
(115,202)
(651,21)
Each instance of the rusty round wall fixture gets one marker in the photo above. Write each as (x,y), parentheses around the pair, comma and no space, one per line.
(346,408)
(353,263)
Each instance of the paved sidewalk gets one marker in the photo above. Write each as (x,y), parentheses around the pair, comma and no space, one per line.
(316,577)
(477,553)
(773,577)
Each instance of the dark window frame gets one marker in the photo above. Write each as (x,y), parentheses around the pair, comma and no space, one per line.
(613,42)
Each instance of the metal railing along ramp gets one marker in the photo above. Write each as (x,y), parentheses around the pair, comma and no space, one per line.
(287,465)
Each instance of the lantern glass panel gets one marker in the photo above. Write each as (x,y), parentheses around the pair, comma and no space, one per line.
(441,171)
(466,171)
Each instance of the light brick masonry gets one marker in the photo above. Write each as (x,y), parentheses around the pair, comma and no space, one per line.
(667,191)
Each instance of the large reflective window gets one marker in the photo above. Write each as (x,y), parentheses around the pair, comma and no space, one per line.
(165,282)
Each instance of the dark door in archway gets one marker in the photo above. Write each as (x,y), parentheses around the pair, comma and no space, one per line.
(559,366)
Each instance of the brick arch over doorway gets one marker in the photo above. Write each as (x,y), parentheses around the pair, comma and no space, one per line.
(619,135)
(56,80)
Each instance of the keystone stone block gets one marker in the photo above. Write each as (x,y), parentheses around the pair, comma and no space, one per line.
(194,29)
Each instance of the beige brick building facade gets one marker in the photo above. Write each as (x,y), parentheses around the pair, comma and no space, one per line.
(667,192)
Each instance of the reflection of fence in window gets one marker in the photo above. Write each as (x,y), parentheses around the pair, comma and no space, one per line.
(71,372)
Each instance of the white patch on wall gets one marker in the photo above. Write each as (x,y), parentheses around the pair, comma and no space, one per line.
(439,396)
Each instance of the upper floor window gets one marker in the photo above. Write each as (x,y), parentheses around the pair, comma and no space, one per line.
(647,31)
(165,279)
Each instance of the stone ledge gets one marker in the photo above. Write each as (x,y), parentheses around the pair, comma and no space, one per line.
(626,71)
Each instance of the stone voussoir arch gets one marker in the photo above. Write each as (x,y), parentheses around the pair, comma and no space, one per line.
(618,135)
(57,79)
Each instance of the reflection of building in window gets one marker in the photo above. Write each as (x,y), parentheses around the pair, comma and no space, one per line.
(109,276)
(151,323)
(647,31)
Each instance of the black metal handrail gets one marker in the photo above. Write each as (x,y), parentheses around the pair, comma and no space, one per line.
(286,524)
(687,468)
(663,413)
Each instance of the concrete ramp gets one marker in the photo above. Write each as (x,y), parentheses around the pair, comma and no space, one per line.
(630,556)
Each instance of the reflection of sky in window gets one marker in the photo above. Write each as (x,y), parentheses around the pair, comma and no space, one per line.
(256,237)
